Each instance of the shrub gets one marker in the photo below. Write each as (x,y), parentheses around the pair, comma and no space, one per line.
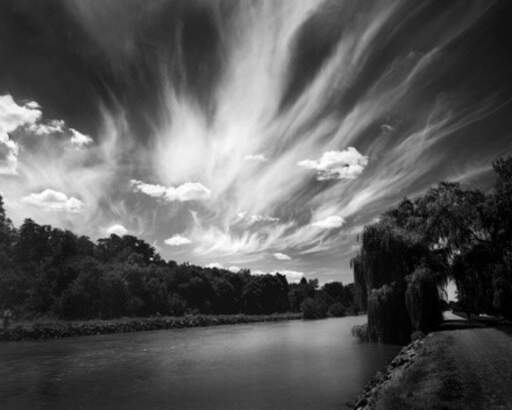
(337,310)
(177,305)
(361,332)
(313,309)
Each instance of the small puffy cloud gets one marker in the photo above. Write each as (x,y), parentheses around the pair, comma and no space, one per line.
(330,222)
(8,155)
(256,158)
(51,127)
(281,256)
(189,191)
(215,265)
(78,139)
(346,164)
(177,240)
(117,229)
(13,115)
(152,190)
(54,201)
(291,275)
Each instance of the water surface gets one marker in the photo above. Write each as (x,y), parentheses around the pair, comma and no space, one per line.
(282,365)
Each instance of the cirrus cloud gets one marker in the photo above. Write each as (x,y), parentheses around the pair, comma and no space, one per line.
(330,222)
(256,158)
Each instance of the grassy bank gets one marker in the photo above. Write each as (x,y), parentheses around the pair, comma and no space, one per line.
(428,381)
(53,329)
(467,368)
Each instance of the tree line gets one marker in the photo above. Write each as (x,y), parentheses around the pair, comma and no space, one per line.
(449,233)
(53,272)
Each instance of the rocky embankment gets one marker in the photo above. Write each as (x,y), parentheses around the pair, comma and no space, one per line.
(58,329)
(367,400)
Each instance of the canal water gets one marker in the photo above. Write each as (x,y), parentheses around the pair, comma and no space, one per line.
(281,365)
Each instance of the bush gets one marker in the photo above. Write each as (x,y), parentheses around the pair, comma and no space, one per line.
(337,310)
(177,305)
(361,332)
(313,309)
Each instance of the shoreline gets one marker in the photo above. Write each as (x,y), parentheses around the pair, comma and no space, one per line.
(45,330)
(404,359)
(460,366)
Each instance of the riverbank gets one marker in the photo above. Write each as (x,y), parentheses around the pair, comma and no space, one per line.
(467,368)
(37,330)
(403,360)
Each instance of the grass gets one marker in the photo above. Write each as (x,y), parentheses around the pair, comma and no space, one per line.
(431,382)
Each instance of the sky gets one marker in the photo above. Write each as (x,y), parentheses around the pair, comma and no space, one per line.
(247,134)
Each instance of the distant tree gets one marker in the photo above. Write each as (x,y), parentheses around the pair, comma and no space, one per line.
(337,309)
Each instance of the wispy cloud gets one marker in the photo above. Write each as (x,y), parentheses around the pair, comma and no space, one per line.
(269,155)
(256,158)
(333,221)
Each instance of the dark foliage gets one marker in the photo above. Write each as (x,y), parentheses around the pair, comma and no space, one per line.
(51,272)
(448,233)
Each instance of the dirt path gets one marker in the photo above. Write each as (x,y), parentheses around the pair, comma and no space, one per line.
(468,369)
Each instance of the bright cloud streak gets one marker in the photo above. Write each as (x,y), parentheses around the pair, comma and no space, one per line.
(256,158)
(329,222)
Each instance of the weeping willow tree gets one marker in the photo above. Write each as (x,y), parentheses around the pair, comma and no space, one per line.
(405,259)
(360,288)
(422,300)
(449,232)
(388,255)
